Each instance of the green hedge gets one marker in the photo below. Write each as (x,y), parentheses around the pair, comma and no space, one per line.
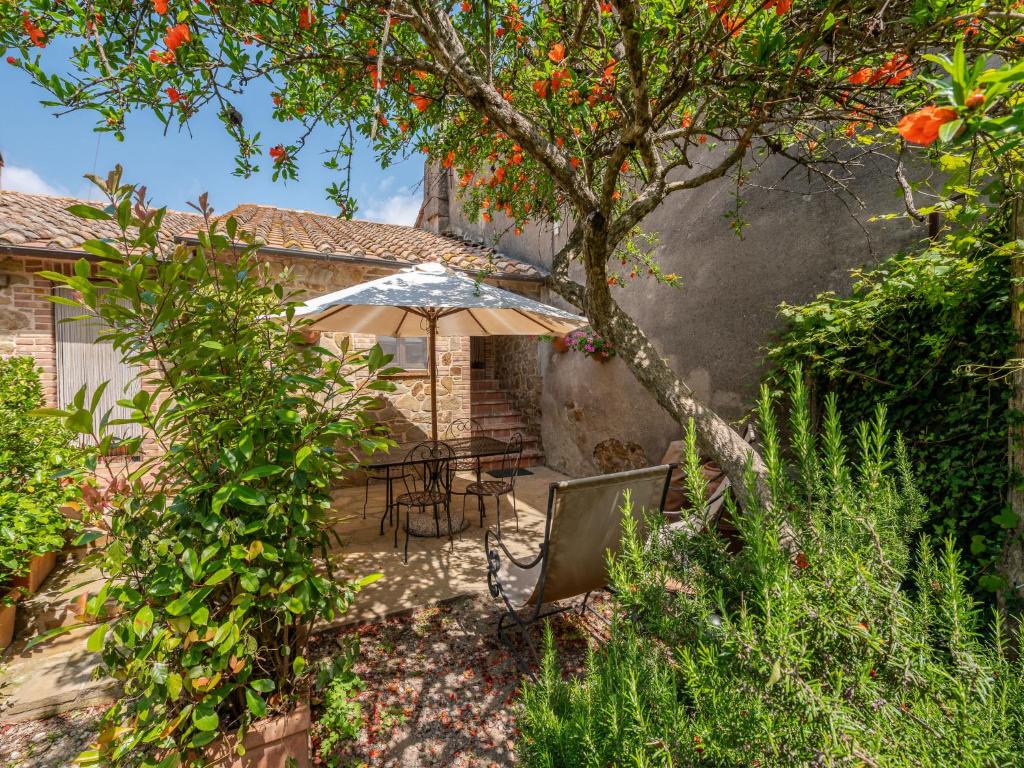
(926,333)
(35,454)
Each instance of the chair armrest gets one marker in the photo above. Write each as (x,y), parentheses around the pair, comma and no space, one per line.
(488,548)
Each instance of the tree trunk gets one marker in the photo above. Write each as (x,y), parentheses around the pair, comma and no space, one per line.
(1012,565)
(716,438)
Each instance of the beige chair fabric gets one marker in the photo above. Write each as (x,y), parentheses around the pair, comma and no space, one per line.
(585,519)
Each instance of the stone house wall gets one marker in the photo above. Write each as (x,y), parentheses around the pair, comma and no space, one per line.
(799,240)
(27,328)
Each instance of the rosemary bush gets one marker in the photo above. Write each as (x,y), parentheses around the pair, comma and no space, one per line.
(857,645)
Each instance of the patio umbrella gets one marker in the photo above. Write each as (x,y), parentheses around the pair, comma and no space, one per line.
(431,300)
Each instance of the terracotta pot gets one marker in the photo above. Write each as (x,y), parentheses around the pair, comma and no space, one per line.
(601,357)
(277,742)
(39,568)
(7,612)
(559,344)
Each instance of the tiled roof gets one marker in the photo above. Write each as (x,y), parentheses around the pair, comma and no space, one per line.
(42,221)
(318,233)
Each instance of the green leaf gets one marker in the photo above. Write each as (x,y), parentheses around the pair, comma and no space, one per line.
(264,470)
(303,454)
(83,211)
(143,621)
(174,684)
(264,685)
(255,703)
(298,665)
(249,496)
(96,637)
(219,576)
(221,497)
(80,421)
(205,718)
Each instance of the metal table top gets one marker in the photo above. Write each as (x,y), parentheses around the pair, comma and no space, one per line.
(475,447)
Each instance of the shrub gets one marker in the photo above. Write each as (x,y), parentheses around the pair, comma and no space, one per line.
(39,461)
(926,333)
(339,685)
(830,651)
(219,562)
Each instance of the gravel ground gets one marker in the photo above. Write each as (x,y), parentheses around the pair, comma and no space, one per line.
(51,743)
(439,690)
(441,687)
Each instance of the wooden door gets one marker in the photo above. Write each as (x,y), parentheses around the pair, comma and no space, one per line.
(84,361)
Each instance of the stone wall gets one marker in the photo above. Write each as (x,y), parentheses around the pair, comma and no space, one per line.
(712,331)
(26,328)
(517,368)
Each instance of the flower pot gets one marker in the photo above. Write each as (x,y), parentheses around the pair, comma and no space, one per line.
(7,611)
(39,568)
(601,357)
(559,344)
(276,742)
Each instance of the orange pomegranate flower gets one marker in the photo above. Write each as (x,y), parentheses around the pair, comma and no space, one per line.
(449,159)
(161,57)
(733,25)
(540,87)
(35,34)
(922,127)
(606,7)
(624,168)
(975,100)
(177,35)
(782,7)
(279,153)
(557,53)
(306,17)
(421,102)
(861,76)
(559,77)
(466,6)
(160,6)
(173,95)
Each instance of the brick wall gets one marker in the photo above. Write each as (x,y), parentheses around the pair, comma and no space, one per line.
(26,316)
(26,328)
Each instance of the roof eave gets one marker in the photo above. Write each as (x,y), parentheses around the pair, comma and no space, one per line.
(377,262)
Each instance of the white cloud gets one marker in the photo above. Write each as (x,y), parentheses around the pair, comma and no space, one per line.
(19,179)
(396,209)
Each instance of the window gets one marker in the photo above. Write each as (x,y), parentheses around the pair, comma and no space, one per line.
(410,354)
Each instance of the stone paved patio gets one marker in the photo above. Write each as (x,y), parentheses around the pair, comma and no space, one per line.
(57,676)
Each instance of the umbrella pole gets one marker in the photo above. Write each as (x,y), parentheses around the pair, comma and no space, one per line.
(432,354)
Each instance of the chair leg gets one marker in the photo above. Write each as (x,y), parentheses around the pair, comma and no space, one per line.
(366,496)
(451,532)
(515,511)
(408,510)
(437,522)
(497,509)
(480,506)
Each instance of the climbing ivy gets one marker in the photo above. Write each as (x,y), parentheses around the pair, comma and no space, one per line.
(927,333)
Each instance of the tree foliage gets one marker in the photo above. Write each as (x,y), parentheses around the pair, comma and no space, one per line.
(219,559)
(844,652)
(927,334)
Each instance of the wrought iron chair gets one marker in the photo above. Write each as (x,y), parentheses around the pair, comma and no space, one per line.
(464,429)
(388,475)
(428,486)
(510,461)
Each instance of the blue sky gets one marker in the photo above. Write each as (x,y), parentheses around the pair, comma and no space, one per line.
(45,154)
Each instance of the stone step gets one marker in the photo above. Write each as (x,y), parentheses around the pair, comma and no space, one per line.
(532,457)
(485,385)
(491,408)
(512,420)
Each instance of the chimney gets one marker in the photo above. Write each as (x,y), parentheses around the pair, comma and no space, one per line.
(434,213)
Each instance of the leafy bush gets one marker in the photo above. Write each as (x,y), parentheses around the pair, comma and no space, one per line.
(38,462)
(831,650)
(219,562)
(926,334)
(342,715)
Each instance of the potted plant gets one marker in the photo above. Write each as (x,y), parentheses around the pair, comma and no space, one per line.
(38,460)
(590,343)
(218,558)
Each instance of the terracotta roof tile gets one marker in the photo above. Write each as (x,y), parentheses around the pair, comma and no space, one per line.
(319,233)
(42,221)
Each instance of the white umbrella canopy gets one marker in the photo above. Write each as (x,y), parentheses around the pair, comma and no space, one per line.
(431,300)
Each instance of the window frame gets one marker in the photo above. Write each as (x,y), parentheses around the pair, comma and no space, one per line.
(401,350)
